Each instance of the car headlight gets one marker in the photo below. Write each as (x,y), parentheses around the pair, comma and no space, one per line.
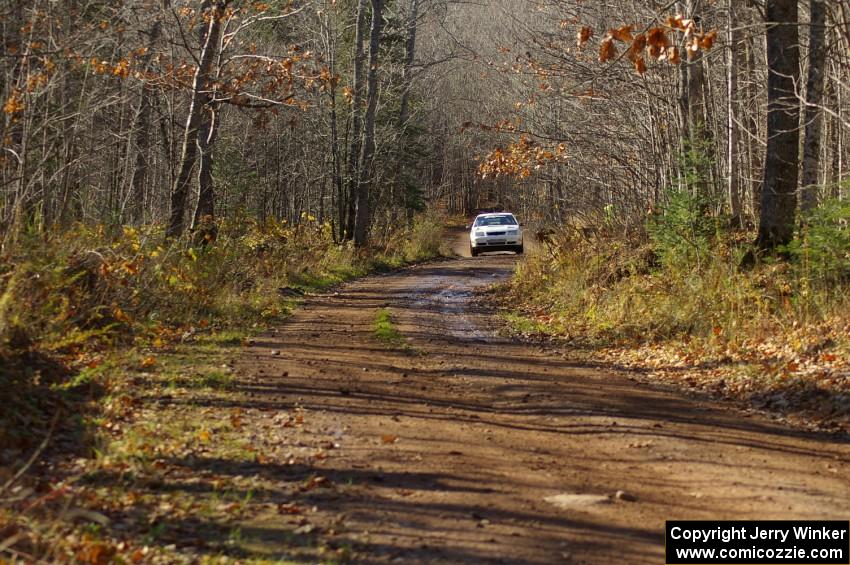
(513,232)
(479,233)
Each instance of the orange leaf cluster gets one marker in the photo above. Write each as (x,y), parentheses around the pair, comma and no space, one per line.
(147,362)
(520,159)
(275,80)
(122,69)
(584,35)
(623,33)
(607,50)
(655,43)
(14,104)
(704,41)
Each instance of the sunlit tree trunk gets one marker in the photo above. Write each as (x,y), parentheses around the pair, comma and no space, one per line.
(407,70)
(363,215)
(200,98)
(404,106)
(755,168)
(732,158)
(700,142)
(203,221)
(338,194)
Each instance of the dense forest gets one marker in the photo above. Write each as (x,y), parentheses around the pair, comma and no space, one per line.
(358,113)
(178,177)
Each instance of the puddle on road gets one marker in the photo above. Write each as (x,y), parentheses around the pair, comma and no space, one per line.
(451,297)
(453,304)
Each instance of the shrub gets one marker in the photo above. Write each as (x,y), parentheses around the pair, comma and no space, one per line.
(822,250)
(683,232)
(425,239)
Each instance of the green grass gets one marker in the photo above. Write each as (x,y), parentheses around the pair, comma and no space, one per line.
(385,329)
(523,324)
(201,363)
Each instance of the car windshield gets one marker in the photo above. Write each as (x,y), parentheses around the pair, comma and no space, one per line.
(496,221)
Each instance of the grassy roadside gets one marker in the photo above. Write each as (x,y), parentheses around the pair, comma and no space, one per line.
(181,459)
(776,336)
(130,376)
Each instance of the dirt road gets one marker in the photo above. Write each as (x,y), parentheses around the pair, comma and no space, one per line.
(456,445)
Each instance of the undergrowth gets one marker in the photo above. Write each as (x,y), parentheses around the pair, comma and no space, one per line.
(677,298)
(114,346)
(68,300)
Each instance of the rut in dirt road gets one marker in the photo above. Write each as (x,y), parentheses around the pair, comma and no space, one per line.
(461,446)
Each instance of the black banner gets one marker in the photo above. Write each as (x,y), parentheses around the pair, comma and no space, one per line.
(757,542)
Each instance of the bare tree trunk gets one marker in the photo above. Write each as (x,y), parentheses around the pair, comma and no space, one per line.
(363,216)
(409,54)
(684,103)
(755,169)
(696,107)
(203,222)
(833,96)
(18,130)
(734,184)
(337,193)
(356,124)
(200,98)
(143,129)
(404,109)
(814,112)
(781,167)
(337,169)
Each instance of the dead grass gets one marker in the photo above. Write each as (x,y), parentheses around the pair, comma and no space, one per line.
(172,474)
(772,335)
(130,344)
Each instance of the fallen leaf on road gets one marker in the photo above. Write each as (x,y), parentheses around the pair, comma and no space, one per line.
(289,508)
(305,529)
(314,482)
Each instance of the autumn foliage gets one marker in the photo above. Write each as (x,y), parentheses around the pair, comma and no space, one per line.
(520,159)
(252,79)
(658,43)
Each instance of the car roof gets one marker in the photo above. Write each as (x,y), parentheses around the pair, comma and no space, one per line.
(494,214)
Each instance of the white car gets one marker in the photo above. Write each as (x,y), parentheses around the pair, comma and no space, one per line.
(495,232)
